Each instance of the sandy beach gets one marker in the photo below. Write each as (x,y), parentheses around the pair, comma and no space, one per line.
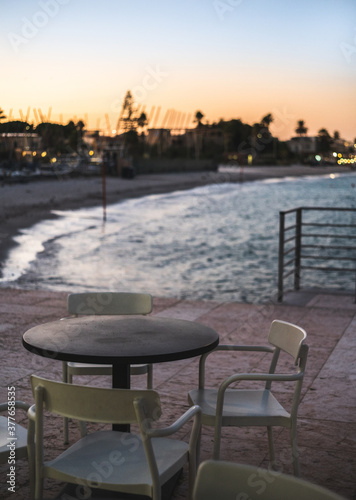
(22,205)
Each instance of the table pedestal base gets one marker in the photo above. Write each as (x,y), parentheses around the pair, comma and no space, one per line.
(121,380)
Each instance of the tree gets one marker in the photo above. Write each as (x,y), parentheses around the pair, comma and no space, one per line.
(267,120)
(336,135)
(127,120)
(324,141)
(198,118)
(16,126)
(2,115)
(301,129)
(142,120)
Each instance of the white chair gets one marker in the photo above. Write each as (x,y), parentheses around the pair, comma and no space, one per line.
(13,438)
(108,459)
(256,407)
(229,481)
(110,303)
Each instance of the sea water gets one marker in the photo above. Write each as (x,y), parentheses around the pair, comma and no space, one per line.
(217,242)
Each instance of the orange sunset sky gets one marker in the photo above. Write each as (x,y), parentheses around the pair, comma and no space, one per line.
(228,58)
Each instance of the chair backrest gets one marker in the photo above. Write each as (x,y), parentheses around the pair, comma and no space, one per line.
(109,303)
(93,404)
(231,481)
(287,337)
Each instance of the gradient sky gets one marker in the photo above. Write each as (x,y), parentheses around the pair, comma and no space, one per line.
(227,58)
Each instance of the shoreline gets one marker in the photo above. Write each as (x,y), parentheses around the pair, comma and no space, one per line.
(23,205)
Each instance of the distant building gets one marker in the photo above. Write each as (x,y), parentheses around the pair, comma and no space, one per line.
(303,145)
(19,142)
(342,146)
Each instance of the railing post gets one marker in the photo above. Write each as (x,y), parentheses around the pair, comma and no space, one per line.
(281,255)
(298,240)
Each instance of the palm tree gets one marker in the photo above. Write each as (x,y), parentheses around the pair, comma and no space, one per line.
(324,141)
(301,129)
(198,118)
(267,120)
(2,115)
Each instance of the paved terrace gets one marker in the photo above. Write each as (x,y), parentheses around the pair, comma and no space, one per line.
(327,417)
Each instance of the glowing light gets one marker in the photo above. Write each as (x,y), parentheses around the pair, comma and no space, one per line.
(332,176)
(339,155)
(91,152)
(43,154)
(317,157)
(34,153)
(334,154)
(53,160)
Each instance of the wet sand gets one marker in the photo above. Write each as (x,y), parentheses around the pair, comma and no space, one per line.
(22,205)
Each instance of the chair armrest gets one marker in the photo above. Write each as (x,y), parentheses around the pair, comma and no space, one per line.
(229,347)
(237,347)
(31,413)
(17,404)
(194,411)
(281,377)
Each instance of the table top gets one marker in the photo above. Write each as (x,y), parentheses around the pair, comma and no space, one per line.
(120,339)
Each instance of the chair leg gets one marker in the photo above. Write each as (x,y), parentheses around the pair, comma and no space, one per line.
(217,439)
(271,447)
(65,420)
(150,377)
(83,428)
(31,456)
(198,446)
(38,488)
(295,452)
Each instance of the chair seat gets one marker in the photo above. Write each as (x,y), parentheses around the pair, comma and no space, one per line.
(119,460)
(20,443)
(241,407)
(97,369)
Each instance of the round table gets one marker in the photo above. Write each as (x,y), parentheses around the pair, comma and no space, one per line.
(120,341)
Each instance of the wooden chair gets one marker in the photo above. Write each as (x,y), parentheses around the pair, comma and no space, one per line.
(256,407)
(229,481)
(111,303)
(108,459)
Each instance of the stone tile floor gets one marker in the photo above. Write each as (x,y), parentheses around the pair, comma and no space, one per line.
(327,416)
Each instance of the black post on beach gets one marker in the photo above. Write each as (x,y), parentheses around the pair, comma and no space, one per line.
(103,178)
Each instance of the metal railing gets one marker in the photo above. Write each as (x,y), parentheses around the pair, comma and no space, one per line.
(325,233)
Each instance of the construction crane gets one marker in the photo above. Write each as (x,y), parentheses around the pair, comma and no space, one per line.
(37,120)
(156,117)
(28,114)
(108,126)
(150,116)
(165,119)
